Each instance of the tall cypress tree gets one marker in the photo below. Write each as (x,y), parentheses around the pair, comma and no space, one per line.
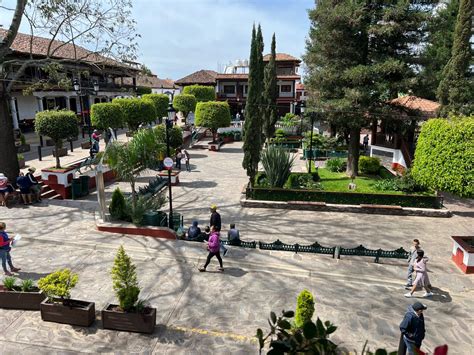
(270,94)
(253,122)
(456,89)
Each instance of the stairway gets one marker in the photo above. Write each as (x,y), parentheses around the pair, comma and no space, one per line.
(47,193)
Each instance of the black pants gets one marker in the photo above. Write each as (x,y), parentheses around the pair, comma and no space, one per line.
(209,257)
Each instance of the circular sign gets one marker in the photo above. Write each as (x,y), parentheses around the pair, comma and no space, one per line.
(168,163)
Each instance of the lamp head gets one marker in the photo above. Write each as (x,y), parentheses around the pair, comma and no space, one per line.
(96,86)
(76,85)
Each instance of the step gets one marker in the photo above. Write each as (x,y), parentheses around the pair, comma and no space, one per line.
(48,194)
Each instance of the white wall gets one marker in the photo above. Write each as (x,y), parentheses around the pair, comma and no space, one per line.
(27,106)
(286,94)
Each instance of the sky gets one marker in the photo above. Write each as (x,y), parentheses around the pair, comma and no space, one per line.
(179,37)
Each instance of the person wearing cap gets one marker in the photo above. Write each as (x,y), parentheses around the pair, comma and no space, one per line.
(95,141)
(215,218)
(35,186)
(413,327)
(4,190)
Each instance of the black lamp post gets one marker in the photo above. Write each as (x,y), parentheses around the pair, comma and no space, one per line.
(79,91)
(169,124)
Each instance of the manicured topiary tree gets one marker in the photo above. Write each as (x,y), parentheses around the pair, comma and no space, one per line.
(125,282)
(57,125)
(369,165)
(212,115)
(304,308)
(176,135)
(118,207)
(107,114)
(185,103)
(136,111)
(58,285)
(161,102)
(200,92)
(444,156)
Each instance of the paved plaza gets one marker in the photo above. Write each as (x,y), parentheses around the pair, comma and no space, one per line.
(214,313)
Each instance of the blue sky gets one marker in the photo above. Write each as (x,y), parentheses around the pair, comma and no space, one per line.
(179,37)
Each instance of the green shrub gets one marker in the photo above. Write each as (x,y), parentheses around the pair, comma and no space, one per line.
(408,184)
(290,120)
(143,204)
(9,283)
(184,103)
(304,308)
(125,282)
(161,102)
(444,156)
(22,139)
(136,111)
(277,163)
(176,135)
(58,284)
(107,114)
(143,90)
(118,207)
(20,157)
(212,115)
(336,165)
(303,181)
(386,185)
(280,133)
(27,285)
(369,165)
(200,92)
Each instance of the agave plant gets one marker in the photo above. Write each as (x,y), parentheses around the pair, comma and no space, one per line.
(277,163)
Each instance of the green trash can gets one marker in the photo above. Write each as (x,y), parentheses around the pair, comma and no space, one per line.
(162,219)
(85,184)
(76,188)
(176,220)
(150,218)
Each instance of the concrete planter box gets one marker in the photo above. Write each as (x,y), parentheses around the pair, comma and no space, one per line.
(463,253)
(21,163)
(214,146)
(62,152)
(23,148)
(112,318)
(86,145)
(81,313)
(20,299)
(174,176)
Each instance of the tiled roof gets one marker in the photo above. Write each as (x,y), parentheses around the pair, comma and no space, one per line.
(199,77)
(416,103)
(281,57)
(246,76)
(39,46)
(151,82)
(299,86)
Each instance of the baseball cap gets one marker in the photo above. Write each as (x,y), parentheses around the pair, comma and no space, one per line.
(32,169)
(417,306)
(213,207)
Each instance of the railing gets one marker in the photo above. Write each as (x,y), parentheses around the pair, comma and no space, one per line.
(379,253)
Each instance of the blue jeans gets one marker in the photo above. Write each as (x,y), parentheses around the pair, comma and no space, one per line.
(410,274)
(6,258)
(411,346)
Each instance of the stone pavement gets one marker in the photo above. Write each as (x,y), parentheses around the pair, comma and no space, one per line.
(204,313)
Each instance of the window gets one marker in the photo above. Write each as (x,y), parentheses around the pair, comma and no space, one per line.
(246,89)
(285,88)
(229,89)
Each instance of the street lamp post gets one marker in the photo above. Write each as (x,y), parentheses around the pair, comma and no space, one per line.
(77,88)
(169,124)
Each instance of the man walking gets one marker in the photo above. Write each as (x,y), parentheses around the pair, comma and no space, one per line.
(413,328)
(215,218)
(366,142)
(411,261)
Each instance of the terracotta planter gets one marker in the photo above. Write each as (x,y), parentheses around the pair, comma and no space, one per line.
(23,148)
(228,139)
(21,300)
(62,152)
(81,313)
(21,163)
(86,145)
(127,321)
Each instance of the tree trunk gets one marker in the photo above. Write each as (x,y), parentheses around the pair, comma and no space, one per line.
(8,157)
(58,163)
(353,150)
(134,195)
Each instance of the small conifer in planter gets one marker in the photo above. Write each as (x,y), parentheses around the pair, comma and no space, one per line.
(130,314)
(59,307)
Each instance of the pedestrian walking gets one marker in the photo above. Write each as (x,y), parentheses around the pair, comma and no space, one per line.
(179,155)
(215,218)
(5,248)
(213,246)
(95,141)
(186,158)
(366,142)
(413,328)
(411,262)
(422,278)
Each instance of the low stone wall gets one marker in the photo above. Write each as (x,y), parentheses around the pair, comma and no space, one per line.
(129,228)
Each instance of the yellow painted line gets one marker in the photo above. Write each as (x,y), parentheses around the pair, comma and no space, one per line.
(215,334)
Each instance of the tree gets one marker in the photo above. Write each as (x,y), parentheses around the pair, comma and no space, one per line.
(359,56)
(253,120)
(136,111)
(304,308)
(125,281)
(436,54)
(57,125)
(270,94)
(444,156)
(176,135)
(213,115)
(200,92)
(185,103)
(161,102)
(144,70)
(105,27)
(456,89)
(107,114)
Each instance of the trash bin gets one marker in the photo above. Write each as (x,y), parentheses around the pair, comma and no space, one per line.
(84,184)
(150,218)
(237,136)
(162,219)
(76,188)
(176,220)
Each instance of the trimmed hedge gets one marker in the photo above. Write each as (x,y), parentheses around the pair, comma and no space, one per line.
(200,92)
(212,115)
(107,114)
(136,111)
(184,103)
(57,125)
(347,198)
(444,156)
(176,135)
(369,165)
(161,102)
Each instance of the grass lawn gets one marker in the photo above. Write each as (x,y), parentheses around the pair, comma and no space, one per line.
(340,182)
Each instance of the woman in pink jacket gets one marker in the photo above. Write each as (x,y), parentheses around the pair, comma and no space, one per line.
(213,245)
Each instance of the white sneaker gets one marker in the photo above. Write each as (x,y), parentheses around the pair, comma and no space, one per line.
(407,295)
(428,294)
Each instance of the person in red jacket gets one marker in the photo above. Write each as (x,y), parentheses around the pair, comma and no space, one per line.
(213,245)
(5,248)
